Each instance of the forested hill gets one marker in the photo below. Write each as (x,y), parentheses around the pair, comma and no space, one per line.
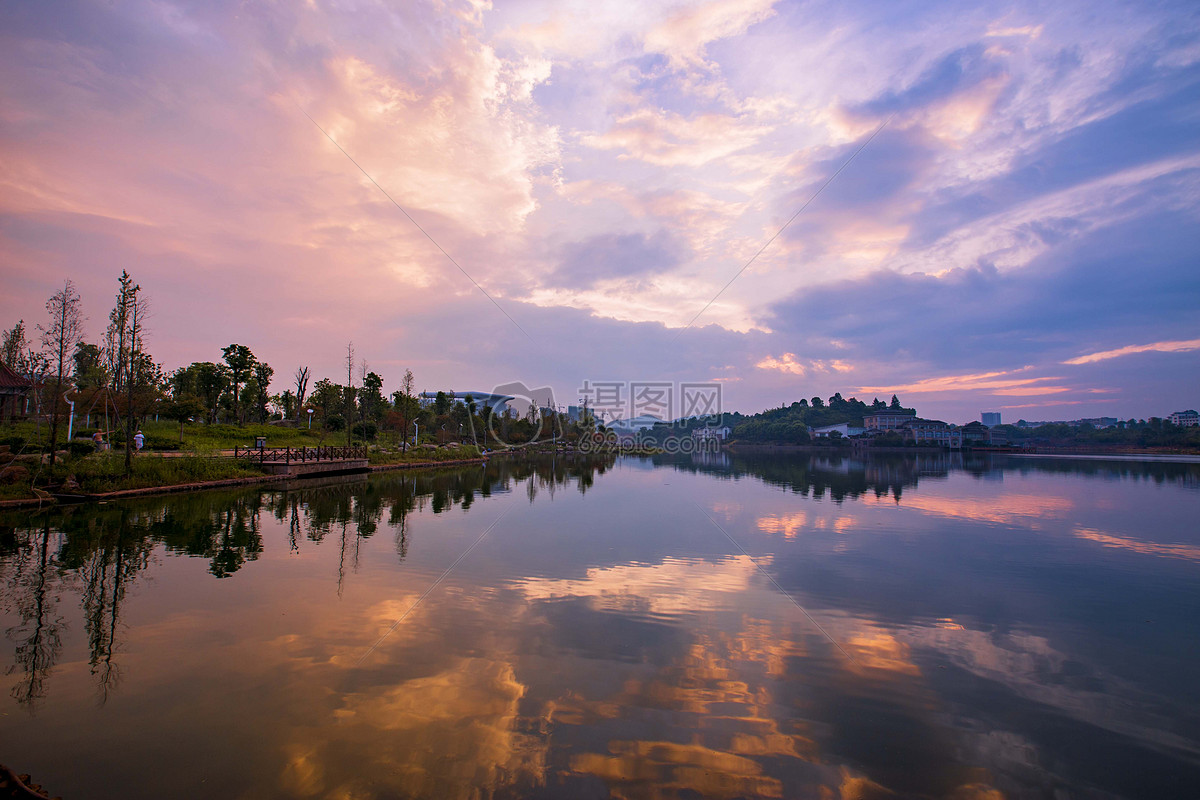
(788,424)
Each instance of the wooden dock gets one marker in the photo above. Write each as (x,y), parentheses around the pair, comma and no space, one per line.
(298,461)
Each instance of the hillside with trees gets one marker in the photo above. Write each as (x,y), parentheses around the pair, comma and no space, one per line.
(790,424)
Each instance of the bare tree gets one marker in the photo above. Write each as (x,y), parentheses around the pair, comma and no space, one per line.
(301,389)
(58,340)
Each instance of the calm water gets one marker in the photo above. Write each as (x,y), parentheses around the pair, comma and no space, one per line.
(754,626)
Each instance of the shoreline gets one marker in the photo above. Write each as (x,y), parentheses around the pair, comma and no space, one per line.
(196,486)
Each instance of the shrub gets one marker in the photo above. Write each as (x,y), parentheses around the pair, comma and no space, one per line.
(78,448)
(15,443)
(334,422)
(366,430)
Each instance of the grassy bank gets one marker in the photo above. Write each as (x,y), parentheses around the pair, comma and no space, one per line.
(106,472)
(416,455)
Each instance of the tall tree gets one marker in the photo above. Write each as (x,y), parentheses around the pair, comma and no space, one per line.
(262,393)
(64,331)
(371,400)
(301,379)
(116,348)
(138,369)
(349,398)
(326,397)
(89,366)
(12,352)
(405,402)
(241,363)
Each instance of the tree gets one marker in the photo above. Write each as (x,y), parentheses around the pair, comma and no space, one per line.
(349,391)
(370,400)
(181,408)
(441,403)
(895,404)
(203,379)
(818,402)
(139,369)
(59,339)
(12,352)
(406,405)
(89,366)
(241,363)
(301,379)
(261,394)
(116,347)
(326,397)
(287,403)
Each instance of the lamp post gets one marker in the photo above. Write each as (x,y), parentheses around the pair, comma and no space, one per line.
(71,418)
(310,413)
(416,432)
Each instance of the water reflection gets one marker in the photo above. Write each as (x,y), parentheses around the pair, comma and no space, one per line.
(991,627)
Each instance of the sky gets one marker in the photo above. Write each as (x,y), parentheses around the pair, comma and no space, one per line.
(978,207)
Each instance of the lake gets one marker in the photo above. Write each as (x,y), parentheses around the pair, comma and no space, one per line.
(719,625)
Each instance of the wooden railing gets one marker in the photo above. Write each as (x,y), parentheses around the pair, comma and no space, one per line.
(299,455)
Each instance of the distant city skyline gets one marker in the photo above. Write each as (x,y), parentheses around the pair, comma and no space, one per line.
(990,207)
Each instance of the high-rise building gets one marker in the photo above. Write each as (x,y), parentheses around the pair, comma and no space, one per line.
(990,418)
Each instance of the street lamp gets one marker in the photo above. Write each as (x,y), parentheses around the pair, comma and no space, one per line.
(416,432)
(310,412)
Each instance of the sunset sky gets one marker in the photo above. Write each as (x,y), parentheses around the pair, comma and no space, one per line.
(1021,235)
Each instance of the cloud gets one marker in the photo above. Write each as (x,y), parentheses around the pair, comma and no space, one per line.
(685,34)
(617,256)
(996,381)
(668,139)
(790,364)
(1156,347)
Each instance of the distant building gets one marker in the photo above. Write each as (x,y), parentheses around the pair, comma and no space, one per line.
(706,433)
(1097,422)
(844,428)
(932,431)
(976,434)
(990,418)
(887,419)
(1185,419)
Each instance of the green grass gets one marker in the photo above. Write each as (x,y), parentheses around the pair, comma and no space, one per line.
(106,472)
(421,454)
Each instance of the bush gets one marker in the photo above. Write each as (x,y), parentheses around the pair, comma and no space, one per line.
(334,422)
(366,430)
(15,443)
(78,448)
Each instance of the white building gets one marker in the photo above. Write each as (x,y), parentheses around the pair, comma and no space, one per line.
(844,428)
(719,434)
(1185,419)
